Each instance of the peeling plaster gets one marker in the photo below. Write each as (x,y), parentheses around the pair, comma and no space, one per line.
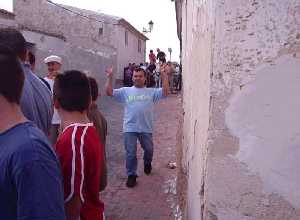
(240,62)
(264,115)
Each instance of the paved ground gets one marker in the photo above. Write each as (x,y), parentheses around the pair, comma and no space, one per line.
(154,196)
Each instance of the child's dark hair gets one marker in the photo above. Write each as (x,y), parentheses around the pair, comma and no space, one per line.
(72,91)
(94,88)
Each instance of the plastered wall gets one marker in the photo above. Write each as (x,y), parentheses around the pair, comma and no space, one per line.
(128,53)
(7,19)
(40,14)
(241,69)
(83,31)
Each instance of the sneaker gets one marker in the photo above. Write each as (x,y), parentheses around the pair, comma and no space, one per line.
(147,168)
(131,181)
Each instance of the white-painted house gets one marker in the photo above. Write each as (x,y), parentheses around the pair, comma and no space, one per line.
(7,19)
(108,37)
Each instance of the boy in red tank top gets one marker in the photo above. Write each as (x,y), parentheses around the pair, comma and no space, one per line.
(78,147)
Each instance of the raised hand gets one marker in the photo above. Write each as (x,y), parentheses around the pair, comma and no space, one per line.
(109,72)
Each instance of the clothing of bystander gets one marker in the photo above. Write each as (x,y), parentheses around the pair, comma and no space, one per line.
(30,177)
(152,57)
(53,63)
(100,124)
(161,56)
(128,75)
(78,147)
(171,72)
(36,102)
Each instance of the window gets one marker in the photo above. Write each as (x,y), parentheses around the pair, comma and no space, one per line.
(139,46)
(126,38)
(100,31)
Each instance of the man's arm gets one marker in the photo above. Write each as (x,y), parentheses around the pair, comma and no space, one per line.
(73,208)
(40,191)
(164,77)
(108,85)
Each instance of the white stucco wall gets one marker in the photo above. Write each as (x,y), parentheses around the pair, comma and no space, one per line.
(83,48)
(196,72)
(241,63)
(78,30)
(82,59)
(4,22)
(271,128)
(82,32)
(128,53)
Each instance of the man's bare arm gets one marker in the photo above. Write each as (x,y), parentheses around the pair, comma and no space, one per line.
(164,78)
(108,85)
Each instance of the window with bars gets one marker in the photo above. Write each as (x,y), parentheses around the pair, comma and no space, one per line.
(126,38)
(100,31)
(139,46)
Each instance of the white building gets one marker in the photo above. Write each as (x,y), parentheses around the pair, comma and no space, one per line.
(7,19)
(110,38)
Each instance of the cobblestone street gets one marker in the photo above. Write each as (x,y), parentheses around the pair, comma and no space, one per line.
(154,195)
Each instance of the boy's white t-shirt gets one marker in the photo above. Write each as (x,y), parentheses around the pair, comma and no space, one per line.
(55,118)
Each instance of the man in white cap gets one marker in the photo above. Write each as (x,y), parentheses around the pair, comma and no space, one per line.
(53,63)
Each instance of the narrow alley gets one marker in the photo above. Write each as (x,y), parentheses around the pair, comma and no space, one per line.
(227,147)
(154,195)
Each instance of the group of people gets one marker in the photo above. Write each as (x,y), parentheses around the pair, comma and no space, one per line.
(153,76)
(52,135)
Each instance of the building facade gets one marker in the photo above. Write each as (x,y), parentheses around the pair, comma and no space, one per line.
(97,34)
(7,19)
(241,62)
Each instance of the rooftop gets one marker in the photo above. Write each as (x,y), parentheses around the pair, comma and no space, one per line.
(21,27)
(104,18)
(7,13)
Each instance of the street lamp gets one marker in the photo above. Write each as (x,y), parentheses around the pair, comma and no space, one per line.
(170,51)
(150,23)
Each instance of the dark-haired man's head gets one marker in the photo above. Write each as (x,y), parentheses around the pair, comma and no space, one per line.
(151,51)
(72,92)
(13,39)
(94,88)
(12,76)
(139,77)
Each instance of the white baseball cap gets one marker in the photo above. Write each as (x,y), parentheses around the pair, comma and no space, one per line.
(53,58)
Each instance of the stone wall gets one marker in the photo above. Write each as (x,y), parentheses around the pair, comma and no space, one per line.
(65,20)
(99,33)
(81,45)
(73,57)
(7,19)
(128,53)
(241,63)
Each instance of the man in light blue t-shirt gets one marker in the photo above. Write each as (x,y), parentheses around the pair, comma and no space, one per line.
(138,117)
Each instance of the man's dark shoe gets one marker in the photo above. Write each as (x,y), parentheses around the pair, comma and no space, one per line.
(131,181)
(147,169)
